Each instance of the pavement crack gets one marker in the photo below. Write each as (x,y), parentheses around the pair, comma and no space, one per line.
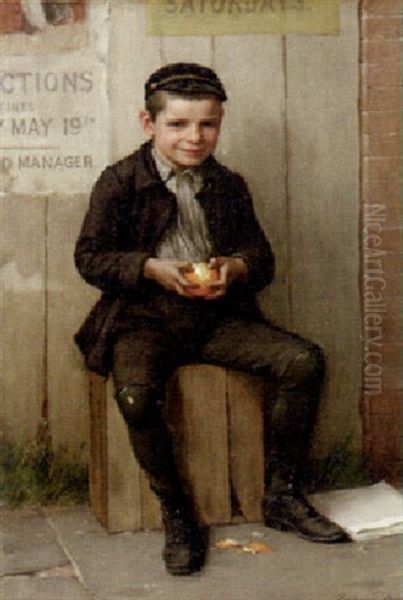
(59,571)
(27,573)
(65,571)
(73,563)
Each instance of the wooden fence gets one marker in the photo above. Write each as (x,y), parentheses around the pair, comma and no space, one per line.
(291,128)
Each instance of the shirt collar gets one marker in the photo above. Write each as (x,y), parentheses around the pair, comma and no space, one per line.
(167,170)
(164,168)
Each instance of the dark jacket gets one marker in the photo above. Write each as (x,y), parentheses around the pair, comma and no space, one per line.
(130,208)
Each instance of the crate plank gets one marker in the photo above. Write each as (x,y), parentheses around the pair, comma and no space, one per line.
(245,424)
(124,499)
(150,508)
(197,411)
(98,474)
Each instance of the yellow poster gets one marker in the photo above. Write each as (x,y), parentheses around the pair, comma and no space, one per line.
(237,17)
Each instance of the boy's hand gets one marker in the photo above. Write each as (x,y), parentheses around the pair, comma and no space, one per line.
(169,274)
(230,269)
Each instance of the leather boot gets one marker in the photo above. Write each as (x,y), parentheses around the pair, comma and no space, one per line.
(289,425)
(185,546)
(185,543)
(287,509)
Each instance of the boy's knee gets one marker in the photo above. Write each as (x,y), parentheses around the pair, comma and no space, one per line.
(307,366)
(138,405)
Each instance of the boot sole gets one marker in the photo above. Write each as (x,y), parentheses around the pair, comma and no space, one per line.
(286,526)
(183,570)
(196,563)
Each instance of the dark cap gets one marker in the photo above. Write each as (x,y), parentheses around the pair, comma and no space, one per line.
(187,78)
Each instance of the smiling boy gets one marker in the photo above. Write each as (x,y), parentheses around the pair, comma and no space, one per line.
(152,216)
(185,133)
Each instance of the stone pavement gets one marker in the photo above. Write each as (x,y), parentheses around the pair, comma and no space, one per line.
(64,554)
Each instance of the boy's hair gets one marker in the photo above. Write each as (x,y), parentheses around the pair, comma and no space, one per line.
(157,101)
(185,80)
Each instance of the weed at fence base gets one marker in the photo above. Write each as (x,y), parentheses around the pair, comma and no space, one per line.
(33,473)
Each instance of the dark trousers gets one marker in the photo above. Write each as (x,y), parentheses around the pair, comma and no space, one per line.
(146,355)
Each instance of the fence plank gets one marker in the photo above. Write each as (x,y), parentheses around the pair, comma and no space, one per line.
(245,406)
(253,141)
(69,300)
(324,215)
(23,306)
(195,49)
(132,57)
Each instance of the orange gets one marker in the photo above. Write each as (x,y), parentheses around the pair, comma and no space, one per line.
(202,276)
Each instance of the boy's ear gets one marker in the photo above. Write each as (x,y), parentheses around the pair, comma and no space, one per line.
(147,122)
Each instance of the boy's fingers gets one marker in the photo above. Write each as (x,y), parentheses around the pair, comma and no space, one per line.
(185,266)
(182,292)
(215,296)
(217,285)
(216,289)
(185,292)
(223,275)
(217,263)
(185,283)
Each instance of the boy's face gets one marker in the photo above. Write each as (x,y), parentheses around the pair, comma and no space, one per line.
(186,131)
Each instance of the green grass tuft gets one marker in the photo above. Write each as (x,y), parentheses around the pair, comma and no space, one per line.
(33,473)
(341,468)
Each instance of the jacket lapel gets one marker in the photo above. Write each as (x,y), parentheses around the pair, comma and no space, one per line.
(214,199)
(154,205)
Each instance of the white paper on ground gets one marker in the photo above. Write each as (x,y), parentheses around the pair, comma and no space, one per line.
(366,512)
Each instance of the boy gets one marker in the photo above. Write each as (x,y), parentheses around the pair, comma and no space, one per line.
(152,216)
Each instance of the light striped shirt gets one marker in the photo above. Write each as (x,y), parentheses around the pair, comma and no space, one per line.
(187,238)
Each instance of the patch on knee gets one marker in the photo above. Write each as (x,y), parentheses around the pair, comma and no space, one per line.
(137,404)
(127,398)
(308,363)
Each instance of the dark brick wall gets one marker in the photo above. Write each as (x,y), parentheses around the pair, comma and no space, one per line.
(380,105)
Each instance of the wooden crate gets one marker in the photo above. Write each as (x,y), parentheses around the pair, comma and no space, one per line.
(216,418)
